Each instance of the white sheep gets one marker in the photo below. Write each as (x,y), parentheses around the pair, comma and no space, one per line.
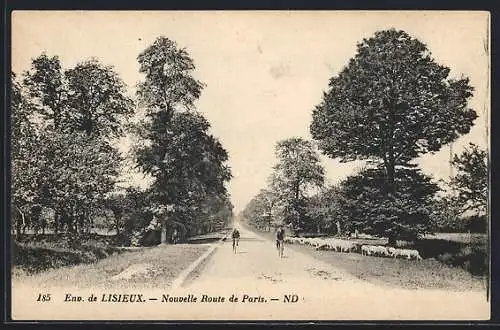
(406,253)
(365,250)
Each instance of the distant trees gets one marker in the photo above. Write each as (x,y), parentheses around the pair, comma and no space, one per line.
(261,208)
(295,177)
(327,212)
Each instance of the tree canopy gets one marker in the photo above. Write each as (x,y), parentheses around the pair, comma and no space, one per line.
(471,180)
(297,173)
(391,103)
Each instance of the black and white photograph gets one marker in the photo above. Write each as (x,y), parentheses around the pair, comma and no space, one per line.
(250,165)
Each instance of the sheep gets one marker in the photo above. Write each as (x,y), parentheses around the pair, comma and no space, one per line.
(365,250)
(411,254)
(405,253)
(381,251)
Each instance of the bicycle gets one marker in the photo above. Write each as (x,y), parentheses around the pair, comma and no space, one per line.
(235,244)
(280,248)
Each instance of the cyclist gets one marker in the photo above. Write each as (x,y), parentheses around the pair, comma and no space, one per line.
(280,236)
(236,237)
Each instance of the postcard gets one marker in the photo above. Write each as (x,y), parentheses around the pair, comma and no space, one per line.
(250,165)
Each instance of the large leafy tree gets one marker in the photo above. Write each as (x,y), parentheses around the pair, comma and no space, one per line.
(390,104)
(186,161)
(296,174)
(471,180)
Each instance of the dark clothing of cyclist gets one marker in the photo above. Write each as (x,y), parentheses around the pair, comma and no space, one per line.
(236,234)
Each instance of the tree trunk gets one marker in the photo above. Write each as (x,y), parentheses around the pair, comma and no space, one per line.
(20,224)
(390,162)
(339,230)
(163,231)
(390,178)
(56,222)
(392,240)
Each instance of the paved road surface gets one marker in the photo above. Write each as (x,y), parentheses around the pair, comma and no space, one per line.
(323,291)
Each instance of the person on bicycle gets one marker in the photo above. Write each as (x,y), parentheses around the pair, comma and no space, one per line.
(236,236)
(280,236)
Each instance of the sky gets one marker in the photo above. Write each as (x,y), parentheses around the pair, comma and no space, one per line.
(264,71)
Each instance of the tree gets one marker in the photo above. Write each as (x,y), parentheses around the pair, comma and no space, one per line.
(326,210)
(405,214)
(446,213)
(187,163)
(259,211)
(75,171)
(297,172)
(169,83)
(390,104)
(25,157)
(47,89)
(471,180)
(97,100)
(78,173)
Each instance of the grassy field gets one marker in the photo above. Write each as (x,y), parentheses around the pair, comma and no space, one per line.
(153,267)
(430,273)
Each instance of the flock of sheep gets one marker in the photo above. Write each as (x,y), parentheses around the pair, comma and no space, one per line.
(339,245)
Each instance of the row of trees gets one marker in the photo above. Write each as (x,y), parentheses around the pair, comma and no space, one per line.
(389,105)
(65,126)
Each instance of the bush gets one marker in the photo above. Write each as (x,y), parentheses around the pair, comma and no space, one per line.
(41,256)
(472,257)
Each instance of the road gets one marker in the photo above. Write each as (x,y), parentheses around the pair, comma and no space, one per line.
(260,281)
(323,291)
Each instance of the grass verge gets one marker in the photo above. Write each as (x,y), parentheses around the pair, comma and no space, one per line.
(153,267)
(406,274)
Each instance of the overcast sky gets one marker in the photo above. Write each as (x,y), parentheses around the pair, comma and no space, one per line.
(264,71)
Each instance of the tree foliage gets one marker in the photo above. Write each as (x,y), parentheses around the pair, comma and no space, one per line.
(297,173)
(25,158)
(187,163)
(47,88)
(406,214)
(260,210)
(471,180)
(326,211)
(97,102)
(169,83)
(69,167)
(391,103)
